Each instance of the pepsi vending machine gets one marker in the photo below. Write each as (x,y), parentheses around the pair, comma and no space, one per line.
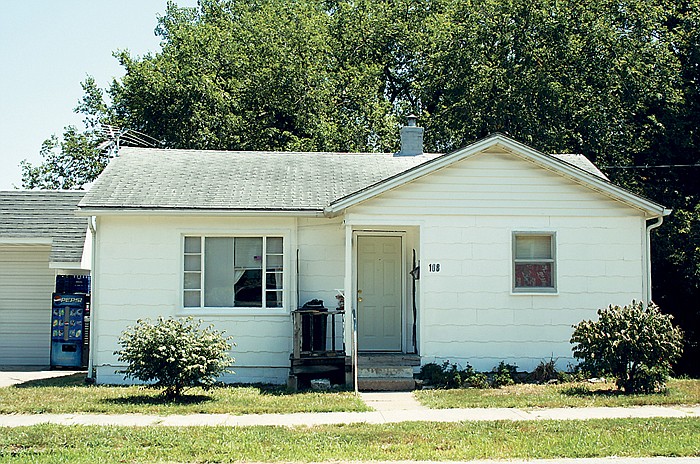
(67,329)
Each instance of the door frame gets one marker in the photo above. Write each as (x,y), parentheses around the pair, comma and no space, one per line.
(382,233)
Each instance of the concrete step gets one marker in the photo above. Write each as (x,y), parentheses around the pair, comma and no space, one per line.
(385,384)
(372,371)
(388,359)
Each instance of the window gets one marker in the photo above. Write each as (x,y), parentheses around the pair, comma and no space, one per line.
(233,272)
(533,262)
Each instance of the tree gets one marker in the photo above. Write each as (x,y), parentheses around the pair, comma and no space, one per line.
(253,76)
(75,159)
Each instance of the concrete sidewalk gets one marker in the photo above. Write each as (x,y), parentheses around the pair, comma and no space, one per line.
(388,408)
(607,460)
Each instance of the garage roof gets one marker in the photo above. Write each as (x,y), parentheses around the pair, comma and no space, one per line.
(44,214)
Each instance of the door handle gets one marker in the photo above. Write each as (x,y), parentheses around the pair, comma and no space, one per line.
(359,299)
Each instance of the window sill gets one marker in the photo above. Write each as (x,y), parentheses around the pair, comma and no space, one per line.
(535,292)
(231,312)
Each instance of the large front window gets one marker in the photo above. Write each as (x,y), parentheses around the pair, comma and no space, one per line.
(233,272)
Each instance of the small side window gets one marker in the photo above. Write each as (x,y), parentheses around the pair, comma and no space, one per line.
(534,264)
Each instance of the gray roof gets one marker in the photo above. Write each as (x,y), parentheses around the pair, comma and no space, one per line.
(275,181)
(148,178)
(45,214)
(580,162)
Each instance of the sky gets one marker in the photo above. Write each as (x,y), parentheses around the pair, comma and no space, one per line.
(47,48)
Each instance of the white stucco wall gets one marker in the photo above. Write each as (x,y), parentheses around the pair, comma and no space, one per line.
(321,259)
(467,215)
(139,275)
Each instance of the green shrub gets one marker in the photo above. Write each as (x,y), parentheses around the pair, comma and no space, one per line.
(504,374)
(636,344)
(174,354)
(574,373)
(545,371)
(451,376)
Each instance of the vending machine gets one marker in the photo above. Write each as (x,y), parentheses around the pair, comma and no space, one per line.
(67,329)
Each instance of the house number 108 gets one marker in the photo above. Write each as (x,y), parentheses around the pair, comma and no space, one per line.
(434,267)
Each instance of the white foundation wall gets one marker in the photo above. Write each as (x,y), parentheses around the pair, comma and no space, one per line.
(467,214)
(139,275)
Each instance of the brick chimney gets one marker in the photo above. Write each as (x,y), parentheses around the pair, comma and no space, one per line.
(411,138)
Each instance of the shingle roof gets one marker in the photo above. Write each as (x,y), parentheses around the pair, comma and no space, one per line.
(45,214)
(195,179)
(580,162)
(148,178)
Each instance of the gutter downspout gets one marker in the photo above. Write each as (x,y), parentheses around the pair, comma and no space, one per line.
(650,227)
(92,224)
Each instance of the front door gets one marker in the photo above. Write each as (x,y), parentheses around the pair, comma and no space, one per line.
(379,292)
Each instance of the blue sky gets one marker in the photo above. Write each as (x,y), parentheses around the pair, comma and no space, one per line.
(47,47)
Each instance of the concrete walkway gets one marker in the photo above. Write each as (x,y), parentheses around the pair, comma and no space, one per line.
(8,378)
(389,408)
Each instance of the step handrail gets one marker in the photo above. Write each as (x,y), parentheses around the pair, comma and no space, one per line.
(354,352)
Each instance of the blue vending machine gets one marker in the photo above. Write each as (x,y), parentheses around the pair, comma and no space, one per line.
(67,329)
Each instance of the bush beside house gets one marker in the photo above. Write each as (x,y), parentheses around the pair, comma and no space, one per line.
(636,344)
(174,354)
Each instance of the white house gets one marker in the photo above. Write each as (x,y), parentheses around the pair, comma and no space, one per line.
(40,237)
(513,246)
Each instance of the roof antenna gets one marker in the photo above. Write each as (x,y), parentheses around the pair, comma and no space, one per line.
(116,136)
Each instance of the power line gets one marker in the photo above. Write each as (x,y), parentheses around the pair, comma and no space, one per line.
(658,166)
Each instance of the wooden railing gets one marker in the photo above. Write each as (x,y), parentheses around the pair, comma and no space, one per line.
(318,333)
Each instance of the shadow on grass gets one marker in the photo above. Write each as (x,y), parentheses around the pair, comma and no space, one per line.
(279,390)
(73,380)
(79,380)
(157,400)
(584,391)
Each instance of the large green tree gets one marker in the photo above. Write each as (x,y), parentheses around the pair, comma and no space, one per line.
(254,76)
(616,80)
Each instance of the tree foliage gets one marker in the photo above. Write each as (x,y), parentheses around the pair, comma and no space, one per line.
(615,80)
(174,354)
(636,344)
(75,159)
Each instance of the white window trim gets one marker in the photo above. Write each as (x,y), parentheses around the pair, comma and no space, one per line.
(233,310)
(554,290)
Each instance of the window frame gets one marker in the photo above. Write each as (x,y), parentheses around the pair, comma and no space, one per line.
(263,309)
(554,289)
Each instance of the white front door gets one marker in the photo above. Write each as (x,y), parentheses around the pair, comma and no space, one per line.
(379,289)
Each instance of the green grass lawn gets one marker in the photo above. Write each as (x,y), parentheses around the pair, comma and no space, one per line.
(557,396)
(404,441)
(70,395)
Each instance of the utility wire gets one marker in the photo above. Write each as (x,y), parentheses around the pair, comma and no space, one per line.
(658,166)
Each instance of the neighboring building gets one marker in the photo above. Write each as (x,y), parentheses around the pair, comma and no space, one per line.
(40,237)
(514,247)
